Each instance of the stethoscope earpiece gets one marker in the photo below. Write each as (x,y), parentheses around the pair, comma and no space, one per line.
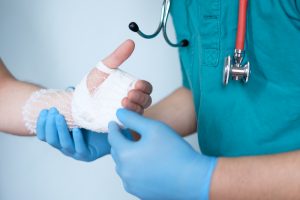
(185,43)
(161,27)
(134,27)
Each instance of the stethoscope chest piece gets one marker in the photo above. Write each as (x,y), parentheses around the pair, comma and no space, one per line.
(235,69)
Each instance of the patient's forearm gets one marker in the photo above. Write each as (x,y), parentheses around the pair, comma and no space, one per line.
(177,110)
(13,95)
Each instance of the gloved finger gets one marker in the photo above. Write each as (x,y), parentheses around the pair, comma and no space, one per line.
(51,129)
(125,185)
(64,135)
(116,138)
(41,124)
(67,153)
(126,103)
(120,55)
(115,157)
(134,121)
(79,142)
(140,98)
(143,86)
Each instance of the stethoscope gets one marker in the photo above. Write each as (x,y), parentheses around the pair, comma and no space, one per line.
(235,68)
(233,65)
(165,12)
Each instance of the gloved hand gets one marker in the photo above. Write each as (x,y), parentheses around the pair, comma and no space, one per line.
(80,144)
(161,165)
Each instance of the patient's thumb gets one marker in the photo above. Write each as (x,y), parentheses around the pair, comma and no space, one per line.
(120,55)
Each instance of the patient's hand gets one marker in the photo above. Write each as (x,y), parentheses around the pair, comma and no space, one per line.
(138,98)
(82,144)
(105,88)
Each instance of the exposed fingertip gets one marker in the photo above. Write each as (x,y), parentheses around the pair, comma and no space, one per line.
(131,42)
(132,94)
(148,103)
(129,105)
(124,102)
(139,85)
(120,55)
(144,86)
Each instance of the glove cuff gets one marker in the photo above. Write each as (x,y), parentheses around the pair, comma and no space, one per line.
(211,163)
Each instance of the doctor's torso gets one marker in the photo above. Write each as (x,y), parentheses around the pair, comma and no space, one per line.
(262,116)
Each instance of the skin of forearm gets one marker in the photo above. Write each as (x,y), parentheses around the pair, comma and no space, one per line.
(260,177)
(4,73)
(177,110)
(13,95)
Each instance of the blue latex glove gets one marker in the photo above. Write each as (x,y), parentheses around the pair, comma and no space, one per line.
(79,144)
(161,165)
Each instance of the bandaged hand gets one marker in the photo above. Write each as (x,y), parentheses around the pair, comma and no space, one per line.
(96,98)
(54,126)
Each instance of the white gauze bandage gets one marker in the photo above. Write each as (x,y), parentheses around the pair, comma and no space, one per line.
(46,99)
(94,111)
(89,108)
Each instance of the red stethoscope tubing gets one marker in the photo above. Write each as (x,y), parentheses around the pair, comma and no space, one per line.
(242,23)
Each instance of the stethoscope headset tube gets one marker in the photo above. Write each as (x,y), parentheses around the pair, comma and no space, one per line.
(232,67)
(165,12)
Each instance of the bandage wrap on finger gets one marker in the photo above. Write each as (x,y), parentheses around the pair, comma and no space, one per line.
(95,111)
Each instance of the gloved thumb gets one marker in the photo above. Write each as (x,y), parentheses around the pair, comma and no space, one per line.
(120,55)
(115,137)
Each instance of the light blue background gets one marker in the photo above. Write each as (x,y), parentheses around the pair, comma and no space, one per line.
(54,43)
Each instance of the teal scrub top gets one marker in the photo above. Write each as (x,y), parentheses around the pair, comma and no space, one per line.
(262,116)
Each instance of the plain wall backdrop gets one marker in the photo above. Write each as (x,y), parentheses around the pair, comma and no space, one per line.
(54,43)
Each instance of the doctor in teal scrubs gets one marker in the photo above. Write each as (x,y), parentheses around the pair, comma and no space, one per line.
(249,134)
